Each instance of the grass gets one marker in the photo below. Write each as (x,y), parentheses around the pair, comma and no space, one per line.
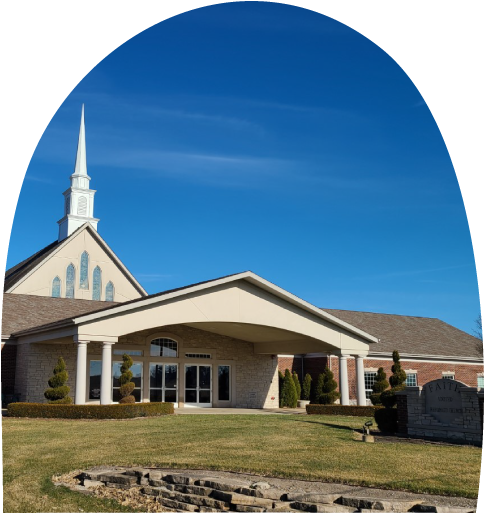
(296,446)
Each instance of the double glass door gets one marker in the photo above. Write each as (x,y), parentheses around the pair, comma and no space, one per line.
(163,382)
(198,385)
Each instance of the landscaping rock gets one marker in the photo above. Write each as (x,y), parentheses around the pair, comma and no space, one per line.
(322,508)
(431,508)
(240,507)
(179,479)
(177,506)
(137,471)
(119,479)
(224,485)
(261,485)
(244,500)
(377,504)
(89,483)
(324,498)
(270,493)
(195,490)
(156,474)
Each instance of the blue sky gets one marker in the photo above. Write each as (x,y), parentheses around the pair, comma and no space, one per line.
(265,137)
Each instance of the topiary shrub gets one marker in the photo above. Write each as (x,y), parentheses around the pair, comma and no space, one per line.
(306,388)
(318,389)
(288,395)
(126,385)
(329,393)
(387,418)
(338,409)
(297,384)
(380,385)
(397,383)
(58,393)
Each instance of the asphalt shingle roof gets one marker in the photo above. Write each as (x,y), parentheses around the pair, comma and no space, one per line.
(412,335)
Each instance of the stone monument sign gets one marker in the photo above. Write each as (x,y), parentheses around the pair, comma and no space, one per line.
(442,409)
(443,399)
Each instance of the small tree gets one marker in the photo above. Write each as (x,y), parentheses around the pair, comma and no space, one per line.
(380,385)
(288,395)
(126,385)
(58,393)
(328,394)
(306,388)
(318,389)
(297,384)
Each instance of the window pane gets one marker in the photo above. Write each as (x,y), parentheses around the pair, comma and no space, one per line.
(109,291)
(191,376)
(224,383)
(132,352)
(411,380)
(116,374)
(137,370)
(156,396)
(164,347)
(448,376)
(95,380)
(70,277)
(370,378)
(170,396)
(84,270)
(96,284)
(170,376)
(480,381)
(204,396)
(205,373)
(156,376)
(190,396)
(56,287)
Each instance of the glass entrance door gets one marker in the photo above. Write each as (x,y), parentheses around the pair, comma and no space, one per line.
(198,385)
(163,382)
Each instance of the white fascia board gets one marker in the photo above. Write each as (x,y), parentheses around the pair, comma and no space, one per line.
(430,358)
(249,277)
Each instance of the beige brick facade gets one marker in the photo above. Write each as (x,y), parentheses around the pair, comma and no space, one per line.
(254,383)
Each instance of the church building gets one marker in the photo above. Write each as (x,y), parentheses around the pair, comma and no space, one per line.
(217,343)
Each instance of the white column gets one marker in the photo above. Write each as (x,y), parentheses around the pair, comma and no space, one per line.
(360,380)
(81,371)
(106,370)
(343,380)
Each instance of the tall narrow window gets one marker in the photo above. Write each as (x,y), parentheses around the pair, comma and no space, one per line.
(109,291)
(83,274)
(70,277)
(56,287)
(96,284)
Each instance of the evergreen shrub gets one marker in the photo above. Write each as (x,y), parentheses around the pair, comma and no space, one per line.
(58,393)
(126,385)
(306,388)
(380,385)
(288,395)
(297,384)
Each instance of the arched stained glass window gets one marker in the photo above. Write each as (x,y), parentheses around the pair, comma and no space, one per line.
(56,287)
(70,280)
(109,291)
(84,271)
(96,283)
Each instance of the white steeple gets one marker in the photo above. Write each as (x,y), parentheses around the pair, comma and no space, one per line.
(79,198)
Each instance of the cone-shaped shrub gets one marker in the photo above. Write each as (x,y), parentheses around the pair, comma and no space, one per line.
(297,384)
(318,389)
(306,388)
(380,385)
(288,395)
(126,385)
(397,383)
(59,392)
(387,418)
(329,393)
(281,384)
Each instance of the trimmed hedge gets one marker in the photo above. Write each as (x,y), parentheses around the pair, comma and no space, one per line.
(89,411)
(338,409)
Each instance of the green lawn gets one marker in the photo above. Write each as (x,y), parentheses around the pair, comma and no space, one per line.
(298,446)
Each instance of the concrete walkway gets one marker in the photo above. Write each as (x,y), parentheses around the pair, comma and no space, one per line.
(240,411)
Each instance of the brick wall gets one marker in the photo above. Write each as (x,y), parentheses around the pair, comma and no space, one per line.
(9,357)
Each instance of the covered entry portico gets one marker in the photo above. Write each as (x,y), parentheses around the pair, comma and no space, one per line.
(210,344)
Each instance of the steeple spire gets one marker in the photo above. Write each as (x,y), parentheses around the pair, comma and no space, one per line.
(79,198)
(81,163)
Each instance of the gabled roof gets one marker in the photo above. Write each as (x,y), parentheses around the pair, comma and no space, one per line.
(15,275)
(413,335)
(248,276)
(22,311)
